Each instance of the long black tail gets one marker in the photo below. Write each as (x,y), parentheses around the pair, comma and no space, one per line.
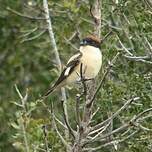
(48,92)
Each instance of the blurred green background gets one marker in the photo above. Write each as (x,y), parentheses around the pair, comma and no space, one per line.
(27,60)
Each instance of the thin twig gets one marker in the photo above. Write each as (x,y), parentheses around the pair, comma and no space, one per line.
(23,15)
(139,59)
(95,131)
(141,114)
(115,141)
(103,79)
(71,131)
(23,122)
(46,138)
(51,34)
(34,37)
(68,42)
(133,122)
(132,57)
(106,36)
(93,114)
(127,103)
(25,135)
(82,132)
(149,45)
(126,125)
(78,118)
(124,48)
(86,20)
(65,127)
(18,92)
(82,72)
(65,143)
(100,132)
(28,32)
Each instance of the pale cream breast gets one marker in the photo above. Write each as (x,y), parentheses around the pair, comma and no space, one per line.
(92,60)
(91,63)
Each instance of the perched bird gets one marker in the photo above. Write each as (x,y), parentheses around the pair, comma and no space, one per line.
(88,59)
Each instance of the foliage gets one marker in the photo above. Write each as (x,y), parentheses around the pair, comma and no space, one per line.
(29,63)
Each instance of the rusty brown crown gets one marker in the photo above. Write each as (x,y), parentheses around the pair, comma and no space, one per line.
(94,38)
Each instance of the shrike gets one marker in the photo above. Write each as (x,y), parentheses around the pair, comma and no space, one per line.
(88,59)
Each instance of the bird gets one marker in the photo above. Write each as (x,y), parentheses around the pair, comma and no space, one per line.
(88,60)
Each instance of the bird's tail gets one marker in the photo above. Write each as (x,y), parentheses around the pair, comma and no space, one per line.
(49,91)
(56,86)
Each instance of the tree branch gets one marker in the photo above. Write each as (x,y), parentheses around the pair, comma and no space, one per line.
(65,143)
(57,57)
(44,128)
(71,131)
(127,103)
(23,15)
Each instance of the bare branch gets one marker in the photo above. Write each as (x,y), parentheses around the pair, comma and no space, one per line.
(22,120)
(149,45)
(18,92)
(75,34)
(139,59)
(86,20)
(65,127)
(45,133)
(65,143)
(77,109)
(95,131)
(71,131)
(100,132)
(34,37)
(135,58)
(103,79)
(28,32)
(106,36)
(127,103)
(23,15)
(51,34)
(68,42)
(113,142)
(124,48)
(121,128)
(141,114)
(25,134)
(82,132)
(148,3)
(58,61)
(82,72)
(95,11)
(93,114)
(132,123)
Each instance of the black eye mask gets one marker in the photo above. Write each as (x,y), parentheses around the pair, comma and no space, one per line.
(91,42)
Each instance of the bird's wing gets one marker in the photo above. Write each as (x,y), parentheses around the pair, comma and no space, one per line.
(70,66)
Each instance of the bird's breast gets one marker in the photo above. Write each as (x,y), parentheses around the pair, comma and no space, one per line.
(91,61)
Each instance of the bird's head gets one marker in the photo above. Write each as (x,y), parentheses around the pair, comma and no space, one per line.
(91,40)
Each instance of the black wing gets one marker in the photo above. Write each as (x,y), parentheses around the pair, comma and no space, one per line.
(72,63)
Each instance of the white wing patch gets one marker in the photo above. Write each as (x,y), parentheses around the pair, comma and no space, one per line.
(73,61)
(67,71)
(73,57)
